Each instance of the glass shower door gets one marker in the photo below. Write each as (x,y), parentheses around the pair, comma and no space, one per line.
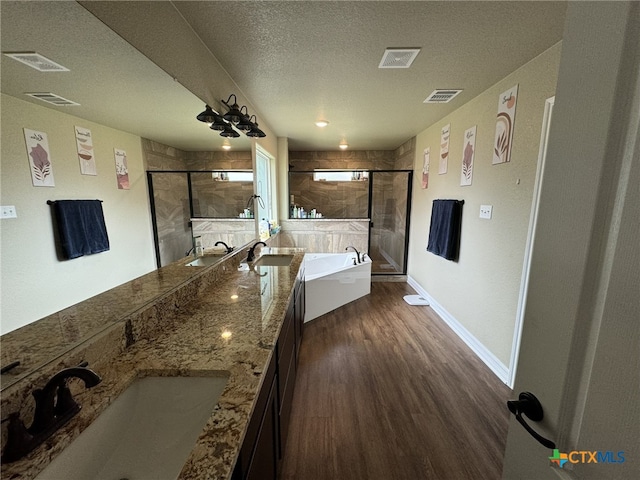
(390,204)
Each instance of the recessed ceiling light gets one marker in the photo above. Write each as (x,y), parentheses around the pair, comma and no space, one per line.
(343,146)
(226,147)
(322,123)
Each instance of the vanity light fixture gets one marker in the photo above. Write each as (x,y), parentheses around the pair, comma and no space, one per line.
(322,123)
(244,124)
(208,116)
(255,132)
(236,116)
(218,123)
(229,132)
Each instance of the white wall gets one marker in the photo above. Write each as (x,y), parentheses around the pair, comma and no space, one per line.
(34,283)
(480,291)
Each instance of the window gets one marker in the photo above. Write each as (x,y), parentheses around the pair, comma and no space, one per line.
(344,176)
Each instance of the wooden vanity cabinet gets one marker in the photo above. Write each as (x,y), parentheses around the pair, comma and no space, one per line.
(258,454)
(262,452)
(299,306)
(286,348)
(263,465)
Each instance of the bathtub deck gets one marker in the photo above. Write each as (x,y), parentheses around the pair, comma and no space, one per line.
(385,391)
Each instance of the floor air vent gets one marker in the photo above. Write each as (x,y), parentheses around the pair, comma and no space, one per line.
(37,61)
(53,99)
(441,96)
(398,57)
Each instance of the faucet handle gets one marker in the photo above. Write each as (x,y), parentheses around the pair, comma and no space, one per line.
(44,411)
(65,402)
(18,439)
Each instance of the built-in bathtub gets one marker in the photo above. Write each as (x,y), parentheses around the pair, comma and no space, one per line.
(333,280)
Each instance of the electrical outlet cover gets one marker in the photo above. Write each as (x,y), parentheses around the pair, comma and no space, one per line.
(485,211)
(8,211)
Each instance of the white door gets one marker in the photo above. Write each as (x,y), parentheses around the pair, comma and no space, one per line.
(580,349)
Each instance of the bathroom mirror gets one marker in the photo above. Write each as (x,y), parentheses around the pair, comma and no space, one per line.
(222,194)
(122,90)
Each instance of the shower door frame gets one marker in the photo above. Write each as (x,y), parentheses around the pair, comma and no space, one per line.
(407,218)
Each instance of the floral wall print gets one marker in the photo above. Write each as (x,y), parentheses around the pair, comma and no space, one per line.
(425,168)
(122,172)
(444,150)
(504,126)
(468,152)
(84,144)
(39,158)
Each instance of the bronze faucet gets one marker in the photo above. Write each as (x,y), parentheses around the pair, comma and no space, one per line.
(55,406)
(252,251)
(357,253)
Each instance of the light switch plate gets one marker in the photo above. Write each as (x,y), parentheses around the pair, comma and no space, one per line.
(8,211)
(485,211)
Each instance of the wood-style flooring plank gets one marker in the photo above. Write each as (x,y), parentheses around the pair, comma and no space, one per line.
(387,391)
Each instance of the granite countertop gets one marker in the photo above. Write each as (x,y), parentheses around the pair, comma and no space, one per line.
(37,343)
(230,328)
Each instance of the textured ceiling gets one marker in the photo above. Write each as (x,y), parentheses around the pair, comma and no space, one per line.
(294,62)
(114,83)
(302,61)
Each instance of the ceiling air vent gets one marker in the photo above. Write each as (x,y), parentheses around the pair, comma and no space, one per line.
(53,99)
(37,61)
(398,57)
(441,96)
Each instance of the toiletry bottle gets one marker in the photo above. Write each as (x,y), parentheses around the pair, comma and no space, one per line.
(263,229)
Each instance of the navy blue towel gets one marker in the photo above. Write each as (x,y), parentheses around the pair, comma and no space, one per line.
(444,232)
(81,227)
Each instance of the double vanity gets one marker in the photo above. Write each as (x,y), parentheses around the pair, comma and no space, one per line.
(195,385)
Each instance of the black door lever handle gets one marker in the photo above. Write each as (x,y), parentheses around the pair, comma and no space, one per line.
(528,404)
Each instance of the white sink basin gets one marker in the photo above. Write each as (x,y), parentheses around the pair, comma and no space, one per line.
(204,261)
(274,260)
(146,433)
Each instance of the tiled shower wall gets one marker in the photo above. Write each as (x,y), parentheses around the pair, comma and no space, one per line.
(344,201)
(171,197)
(350,200)
(162,157)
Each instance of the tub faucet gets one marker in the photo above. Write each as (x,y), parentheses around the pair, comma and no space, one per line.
(252,251)
(55,406)
(357,253)
(220,242)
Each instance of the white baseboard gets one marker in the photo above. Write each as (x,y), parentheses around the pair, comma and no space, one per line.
(489,359)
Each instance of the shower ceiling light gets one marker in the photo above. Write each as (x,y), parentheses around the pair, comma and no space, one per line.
(322,123)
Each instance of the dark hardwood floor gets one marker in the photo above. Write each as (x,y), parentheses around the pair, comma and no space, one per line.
(387,391)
